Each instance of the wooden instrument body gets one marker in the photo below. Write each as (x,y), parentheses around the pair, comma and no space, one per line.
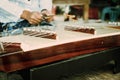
(40,51)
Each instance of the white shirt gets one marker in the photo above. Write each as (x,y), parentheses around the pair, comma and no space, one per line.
(67,9)
(13,9)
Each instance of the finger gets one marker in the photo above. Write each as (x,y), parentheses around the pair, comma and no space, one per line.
(34,21)
(36,18)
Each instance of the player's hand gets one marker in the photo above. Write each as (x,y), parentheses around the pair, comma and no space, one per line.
(32,17)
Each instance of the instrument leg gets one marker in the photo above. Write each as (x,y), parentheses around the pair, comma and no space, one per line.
(117,60)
